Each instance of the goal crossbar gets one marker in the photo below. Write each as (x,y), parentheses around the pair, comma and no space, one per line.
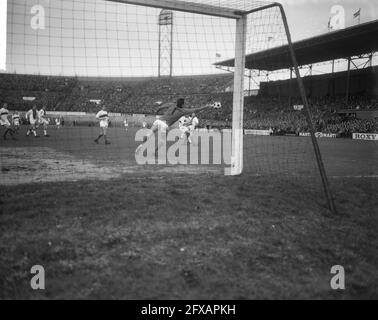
(190,7)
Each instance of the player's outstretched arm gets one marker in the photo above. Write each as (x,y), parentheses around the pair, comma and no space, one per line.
(199,109)
(163,107)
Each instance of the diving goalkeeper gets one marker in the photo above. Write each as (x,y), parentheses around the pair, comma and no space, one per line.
(172,114)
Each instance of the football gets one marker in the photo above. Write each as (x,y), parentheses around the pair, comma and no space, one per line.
(217,105)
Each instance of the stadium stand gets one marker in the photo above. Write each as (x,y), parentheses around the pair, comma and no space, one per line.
(328,94)
(339,44)
(142,96)
(363,82)
(121,95)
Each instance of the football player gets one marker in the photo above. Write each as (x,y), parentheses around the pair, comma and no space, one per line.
(4,121)
(32,117)
(184,126)
(42,120)
(103,117)
(16,121)
(193,125)
(174,111)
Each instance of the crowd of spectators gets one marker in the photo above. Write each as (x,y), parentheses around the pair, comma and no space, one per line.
(45,89)
(120,95)
(143,96)
(328,115)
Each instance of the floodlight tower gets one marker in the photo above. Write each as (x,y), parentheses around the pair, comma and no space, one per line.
(165,42)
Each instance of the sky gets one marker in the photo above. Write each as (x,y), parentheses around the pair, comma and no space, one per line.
(103,38)
(310,17)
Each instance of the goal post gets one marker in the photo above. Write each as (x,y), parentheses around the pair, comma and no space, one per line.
(238,99)
(319,160)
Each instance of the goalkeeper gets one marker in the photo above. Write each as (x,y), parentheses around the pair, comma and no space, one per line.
(172,114)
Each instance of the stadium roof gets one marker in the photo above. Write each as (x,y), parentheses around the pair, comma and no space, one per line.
(345,43)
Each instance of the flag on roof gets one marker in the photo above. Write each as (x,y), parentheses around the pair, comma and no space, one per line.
(357,14)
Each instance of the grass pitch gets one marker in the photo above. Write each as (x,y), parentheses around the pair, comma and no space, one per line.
(104,227)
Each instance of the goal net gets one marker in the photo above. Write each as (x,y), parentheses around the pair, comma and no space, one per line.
(73,57)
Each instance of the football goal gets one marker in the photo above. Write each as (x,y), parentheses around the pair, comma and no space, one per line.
(134,55)
(273,26)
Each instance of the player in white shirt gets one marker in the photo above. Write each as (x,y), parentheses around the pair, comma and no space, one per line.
(4,122)
(194,124)
(57,123)
(32,118)
(126,124)
(16,121)
(43,120)
(184,123)
(103,117)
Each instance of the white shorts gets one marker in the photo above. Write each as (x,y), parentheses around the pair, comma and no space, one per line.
(161,125)
(16,123)
(4,122)
(104,124)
